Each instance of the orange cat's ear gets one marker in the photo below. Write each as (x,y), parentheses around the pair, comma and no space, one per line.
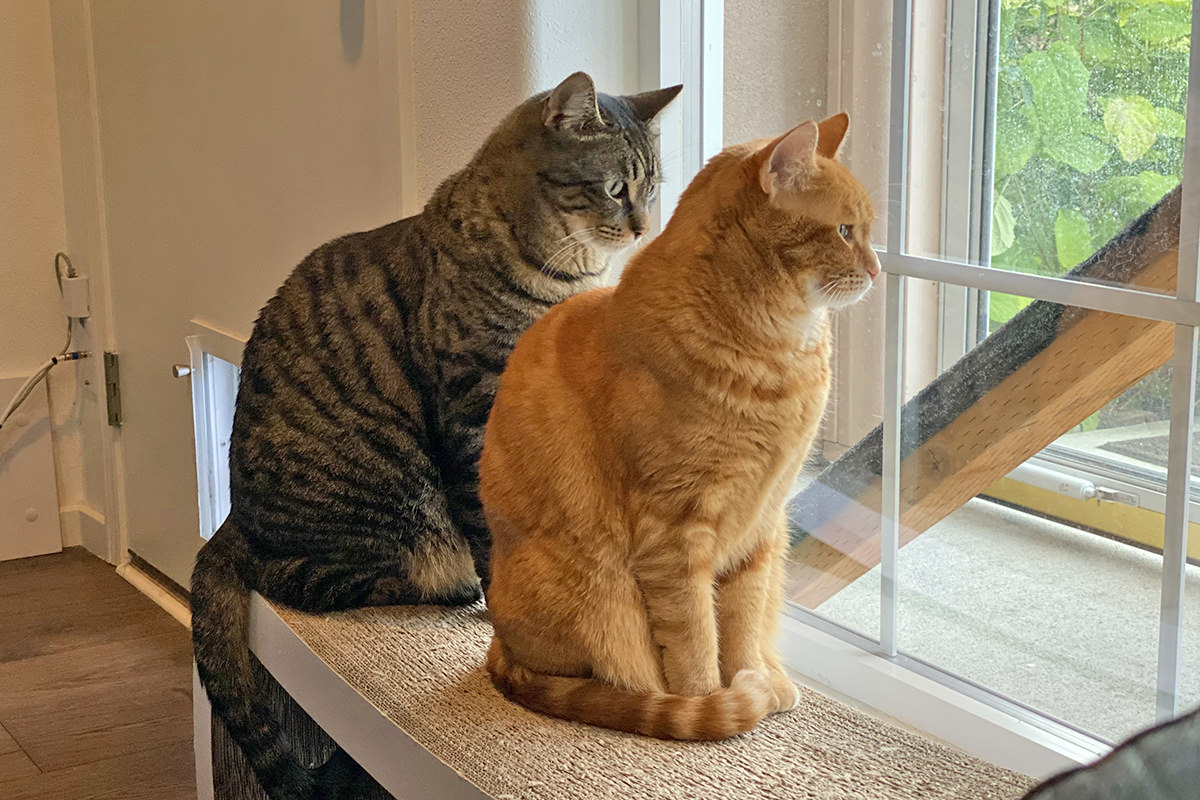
(833,131)
(789,161)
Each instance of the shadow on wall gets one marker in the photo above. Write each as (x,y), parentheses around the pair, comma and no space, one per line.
(474,60)
(352,14)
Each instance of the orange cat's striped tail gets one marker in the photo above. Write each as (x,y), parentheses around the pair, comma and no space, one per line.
(724,713)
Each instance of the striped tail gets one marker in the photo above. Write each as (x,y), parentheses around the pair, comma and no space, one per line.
(720,715)
(221,640)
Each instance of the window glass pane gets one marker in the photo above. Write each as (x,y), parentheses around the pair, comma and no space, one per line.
(1087,136)
(1059,608)
(218,390)
(829,569)
(1089,125)
(1048,614)
(830,551)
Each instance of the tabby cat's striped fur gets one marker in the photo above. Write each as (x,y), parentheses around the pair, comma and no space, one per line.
(368,378)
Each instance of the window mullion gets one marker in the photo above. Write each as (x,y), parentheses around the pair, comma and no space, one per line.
(894,321)
(1183,397)
(893,381)
(1179,468)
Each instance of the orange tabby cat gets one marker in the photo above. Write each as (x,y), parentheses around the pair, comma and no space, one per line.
(643,441)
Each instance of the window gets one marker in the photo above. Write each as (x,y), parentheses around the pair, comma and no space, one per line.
(215,357)
(1121,69)
(1011,142)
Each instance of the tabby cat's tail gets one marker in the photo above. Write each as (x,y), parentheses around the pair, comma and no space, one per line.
(720,715)
(221,640)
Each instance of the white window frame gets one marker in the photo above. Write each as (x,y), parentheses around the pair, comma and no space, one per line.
(681,42)
(1182,310)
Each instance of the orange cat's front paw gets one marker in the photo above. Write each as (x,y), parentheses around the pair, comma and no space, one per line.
(786,693)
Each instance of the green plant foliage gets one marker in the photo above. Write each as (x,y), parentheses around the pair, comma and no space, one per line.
(1132,122)
(1002,225)
(1003,307)
(1072,237)
(1089,126)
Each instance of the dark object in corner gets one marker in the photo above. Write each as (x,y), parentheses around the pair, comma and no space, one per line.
(1162,763)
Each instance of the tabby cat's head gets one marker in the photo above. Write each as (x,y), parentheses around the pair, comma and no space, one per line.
(585,170)
(599,158)
(817,214)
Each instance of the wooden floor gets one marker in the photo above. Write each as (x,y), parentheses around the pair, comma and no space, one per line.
(95,686)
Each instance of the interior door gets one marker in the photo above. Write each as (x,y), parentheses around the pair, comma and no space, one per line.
(235,137)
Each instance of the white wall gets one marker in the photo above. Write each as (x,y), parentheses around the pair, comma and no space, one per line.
(775,66)
(202,160)
(31,194)
(474,60)
(162,129)
(33,229)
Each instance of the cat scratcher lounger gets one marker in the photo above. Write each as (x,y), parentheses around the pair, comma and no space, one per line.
(404,691)
(1039,375)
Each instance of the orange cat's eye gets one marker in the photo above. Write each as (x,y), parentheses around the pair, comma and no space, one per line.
(846,231)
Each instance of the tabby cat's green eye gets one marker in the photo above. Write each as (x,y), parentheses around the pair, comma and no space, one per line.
(615,187)
(846,231)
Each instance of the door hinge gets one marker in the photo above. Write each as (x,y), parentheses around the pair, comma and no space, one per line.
(112,387)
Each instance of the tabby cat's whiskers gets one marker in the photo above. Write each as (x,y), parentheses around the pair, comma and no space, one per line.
(576,243)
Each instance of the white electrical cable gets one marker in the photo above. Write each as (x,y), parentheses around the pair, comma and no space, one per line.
(63,355)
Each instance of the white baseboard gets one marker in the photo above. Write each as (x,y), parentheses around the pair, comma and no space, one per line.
(161,597)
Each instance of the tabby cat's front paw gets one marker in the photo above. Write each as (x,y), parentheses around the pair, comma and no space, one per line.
(786,693)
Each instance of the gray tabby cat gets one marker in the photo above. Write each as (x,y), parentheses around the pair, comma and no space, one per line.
(367,382)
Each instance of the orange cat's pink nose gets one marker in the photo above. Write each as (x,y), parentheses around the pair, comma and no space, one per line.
(873,268)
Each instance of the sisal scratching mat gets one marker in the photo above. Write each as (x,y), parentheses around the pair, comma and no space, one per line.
(423,669)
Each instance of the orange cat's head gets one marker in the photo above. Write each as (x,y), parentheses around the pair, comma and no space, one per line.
(817,215)
(790,206)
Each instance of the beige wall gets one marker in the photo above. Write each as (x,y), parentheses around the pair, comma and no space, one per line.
(775,66)
(32,230)
(474,60)
(31,193)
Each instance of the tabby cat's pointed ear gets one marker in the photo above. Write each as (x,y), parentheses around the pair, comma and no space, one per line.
(648,105)
(789,161)
(833,131)
(572,106)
